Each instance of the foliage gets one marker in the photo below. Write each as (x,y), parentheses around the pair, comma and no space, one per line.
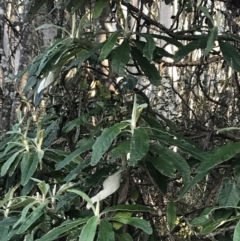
(97,126)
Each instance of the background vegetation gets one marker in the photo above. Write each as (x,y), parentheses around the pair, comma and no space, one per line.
(134,104)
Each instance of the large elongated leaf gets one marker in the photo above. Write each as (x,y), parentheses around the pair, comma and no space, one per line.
(184,51)
(33,217)
(173,159)
(210,43)
(121,58)
(74,154)
(159,179)
(108,45)
(84,196)
(127,207)
(99,6)
(104,141)
(168,40)
(136,222)
(182,143)
(163,166)
(64,227)
(236,235)
(124,237)
(89,230)
(149,46)
(148,68)
(230,54)
(219,155)
(158,52)
(8,163)
(192,183)
(229,194)
(28,166)
(171,215)
(139,145)
(121,150)
(205,11)
(83,56)
(106,232)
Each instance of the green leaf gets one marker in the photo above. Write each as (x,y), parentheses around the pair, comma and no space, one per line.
(108,45)
(168,156)
(230,54)
(229,194)
(49,25)
(212,226)
(169,40)
(127,207)
(149,47)
(9,221)
(192,183)
(104,141)
(184,51)
(99,6)
(163,166)
(236,235)
(124,237)
(210,43)
(33,217)
(128,83)
(63,228)
(84,196)
(149,69)
(136,222)
(139,145)
(159,179)
(84,56)
(37,5)
(171,215)
(106,232)
(219,155)
(183,143)
(121,150)
(228,129)
(74,154)
(121,58)
(9,195)
(8,163)
(89,230)
(29,165)
(205,11)
(13,167)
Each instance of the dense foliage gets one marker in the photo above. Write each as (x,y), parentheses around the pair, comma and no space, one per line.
(117,136)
